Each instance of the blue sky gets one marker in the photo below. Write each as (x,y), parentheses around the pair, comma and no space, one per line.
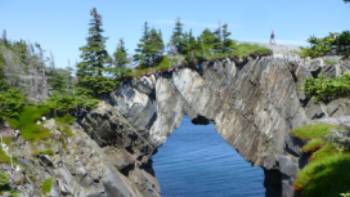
(61,26)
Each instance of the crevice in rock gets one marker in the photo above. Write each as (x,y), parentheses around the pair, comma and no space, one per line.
(273,183)
(125,170)
(148,167)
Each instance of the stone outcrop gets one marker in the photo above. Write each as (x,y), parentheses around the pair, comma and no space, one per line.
(253,105)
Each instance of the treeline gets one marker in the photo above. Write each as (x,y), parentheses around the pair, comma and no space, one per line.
(98,72)
(333,44)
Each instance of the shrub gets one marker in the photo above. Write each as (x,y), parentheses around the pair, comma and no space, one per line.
(333,44)
(12,102)
(326,89)
(61,103)
(26,123)
(4,180)
(97,85)
(312,131)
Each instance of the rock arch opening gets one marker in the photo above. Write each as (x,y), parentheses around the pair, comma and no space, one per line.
(196,161)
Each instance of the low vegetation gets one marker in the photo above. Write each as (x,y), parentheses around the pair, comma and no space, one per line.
(326,174)
(28,123)
(5,186)
(326,89)
(333,44)
(46,185)
(312,131)
(4,158)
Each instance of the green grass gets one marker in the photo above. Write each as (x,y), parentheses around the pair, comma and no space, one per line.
(46,185)
(244,50)
(324,152)
(327,173)
(313,145)
(327,177)
(4,158)
(47,151)
(309,132)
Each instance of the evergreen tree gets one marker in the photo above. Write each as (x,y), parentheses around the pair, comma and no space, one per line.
(94,55)
(219,38)
(208,42)
(227,42)
(121,55)
(190,47)
(151,47)
(94,60)
(119,70)
(177,38)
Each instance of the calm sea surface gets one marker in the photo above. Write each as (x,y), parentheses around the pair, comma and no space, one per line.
(196,162)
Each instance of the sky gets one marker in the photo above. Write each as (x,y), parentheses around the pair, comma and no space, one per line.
(60,26)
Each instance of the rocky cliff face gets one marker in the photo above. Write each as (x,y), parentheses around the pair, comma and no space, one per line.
(253,105)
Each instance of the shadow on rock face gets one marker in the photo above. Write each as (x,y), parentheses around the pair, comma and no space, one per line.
(200,120)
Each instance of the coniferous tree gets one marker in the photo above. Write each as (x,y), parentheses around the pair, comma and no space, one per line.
(226,40)
(208,42)
(119,69)
(121,55)
(190,47)
(94,55)
(219,38)
(94,60)
(177,38)
(151,47)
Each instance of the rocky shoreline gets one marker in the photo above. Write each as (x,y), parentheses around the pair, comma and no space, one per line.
(253,105)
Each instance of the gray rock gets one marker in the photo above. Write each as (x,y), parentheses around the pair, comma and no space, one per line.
(253,105)
(339,107)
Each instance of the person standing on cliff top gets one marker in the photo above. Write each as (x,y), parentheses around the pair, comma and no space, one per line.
(272,38)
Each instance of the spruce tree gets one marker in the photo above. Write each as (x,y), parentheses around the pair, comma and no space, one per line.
(119,70)
(227,42)
(208,42)
(177,38)
(121,55)
(190,47)
(150,48)
(95,58)
(94,55)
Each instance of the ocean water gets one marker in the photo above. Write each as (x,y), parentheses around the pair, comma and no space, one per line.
(197,162)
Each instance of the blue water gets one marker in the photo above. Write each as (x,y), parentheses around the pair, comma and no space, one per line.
(196,162)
